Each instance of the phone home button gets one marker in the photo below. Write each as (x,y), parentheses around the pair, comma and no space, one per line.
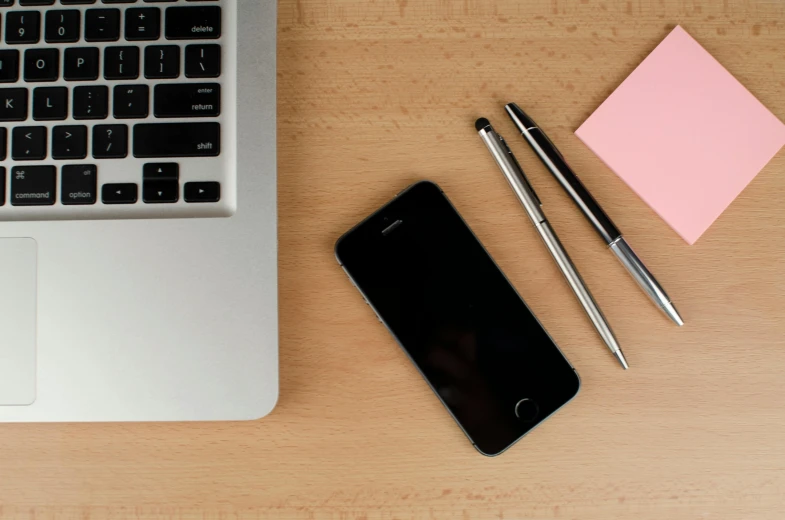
(527,410)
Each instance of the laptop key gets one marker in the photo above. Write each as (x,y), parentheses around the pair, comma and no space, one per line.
(69,142)
(121,62)
(203,61)
(119,193)
(161,172)
(9,65)
(102,25)
(79,184)
(42,64)
(28,143)
(81,64)
(22,27)
(110,141)
(193,23)
(131,101)
(62,26)
(2,185)
(161,61)
(157,192)
(3,138)
(177,140)
(33,185)
(91,102)
(50,103)
(143,23)
(13,104)
(187,100)
(202,192)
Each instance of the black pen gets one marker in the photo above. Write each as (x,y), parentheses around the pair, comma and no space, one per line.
(553,160)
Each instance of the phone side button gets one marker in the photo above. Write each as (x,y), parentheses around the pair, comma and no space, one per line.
(527,410)
(348,276)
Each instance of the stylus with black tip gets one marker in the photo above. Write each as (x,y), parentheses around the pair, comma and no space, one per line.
(602,223)
(520,185)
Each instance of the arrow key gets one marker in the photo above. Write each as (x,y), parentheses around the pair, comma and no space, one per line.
(157,192)
(28,143)
(161,172)
(202,192)
(119,193)
(69,142)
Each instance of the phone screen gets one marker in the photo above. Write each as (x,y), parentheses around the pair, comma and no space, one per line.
(461,322)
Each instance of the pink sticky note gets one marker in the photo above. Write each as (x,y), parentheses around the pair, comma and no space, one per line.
(684,134)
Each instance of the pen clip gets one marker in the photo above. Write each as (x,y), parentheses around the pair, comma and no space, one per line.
(504,143)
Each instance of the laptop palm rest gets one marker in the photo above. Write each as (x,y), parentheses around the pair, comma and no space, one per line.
(18,288)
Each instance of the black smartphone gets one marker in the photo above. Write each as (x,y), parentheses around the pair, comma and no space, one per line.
(461,322)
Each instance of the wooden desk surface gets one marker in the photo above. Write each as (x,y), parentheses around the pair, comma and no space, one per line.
(375,94)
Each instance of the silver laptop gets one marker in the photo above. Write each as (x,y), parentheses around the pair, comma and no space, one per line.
(138,275)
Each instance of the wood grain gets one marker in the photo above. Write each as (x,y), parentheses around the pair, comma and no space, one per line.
(375,94)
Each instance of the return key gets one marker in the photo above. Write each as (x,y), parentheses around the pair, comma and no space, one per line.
(187,100)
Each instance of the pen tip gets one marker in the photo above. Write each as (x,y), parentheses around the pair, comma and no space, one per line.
(481,123)
(673,314)
(620,356)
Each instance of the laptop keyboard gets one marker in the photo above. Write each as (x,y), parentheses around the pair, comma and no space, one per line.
(117,109)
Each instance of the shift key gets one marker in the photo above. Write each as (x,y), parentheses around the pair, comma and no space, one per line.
(177,140)
(187,100)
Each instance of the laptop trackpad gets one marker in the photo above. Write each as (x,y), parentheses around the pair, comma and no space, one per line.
(18,282)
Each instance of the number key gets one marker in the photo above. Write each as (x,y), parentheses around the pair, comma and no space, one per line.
(22,27)
(62,26)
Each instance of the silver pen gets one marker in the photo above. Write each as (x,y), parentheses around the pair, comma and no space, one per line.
(520,185)
(602,223)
